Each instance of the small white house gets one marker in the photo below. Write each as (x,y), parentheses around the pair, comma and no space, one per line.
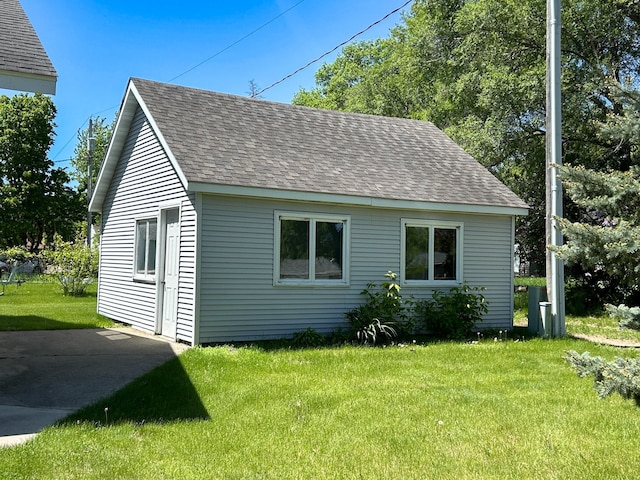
(228,218)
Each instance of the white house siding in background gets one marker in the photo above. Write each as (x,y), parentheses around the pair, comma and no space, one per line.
(238,298)
(144,181)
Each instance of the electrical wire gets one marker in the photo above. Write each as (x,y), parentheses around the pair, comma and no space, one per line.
(283,79)
(64,146)
(236,42)
(64,160)
(194,67)
(260,92)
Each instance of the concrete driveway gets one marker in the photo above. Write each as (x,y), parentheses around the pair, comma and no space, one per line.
(45,375)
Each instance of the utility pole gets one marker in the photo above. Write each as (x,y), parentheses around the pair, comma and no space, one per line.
(555,265)
(91,142)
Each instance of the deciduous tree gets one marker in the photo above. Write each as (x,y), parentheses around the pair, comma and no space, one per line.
(102,134)
(477,70)
(35,199)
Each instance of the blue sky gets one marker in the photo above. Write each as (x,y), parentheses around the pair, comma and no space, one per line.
(96,46)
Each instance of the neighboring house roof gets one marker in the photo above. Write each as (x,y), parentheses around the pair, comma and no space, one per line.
(236,145)
(24,64)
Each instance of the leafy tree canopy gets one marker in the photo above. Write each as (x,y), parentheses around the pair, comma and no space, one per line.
(35,199)
(102,133)
(477,70)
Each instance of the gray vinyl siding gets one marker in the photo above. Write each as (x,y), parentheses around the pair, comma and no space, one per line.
(187,279)
(238,298)
(143,180)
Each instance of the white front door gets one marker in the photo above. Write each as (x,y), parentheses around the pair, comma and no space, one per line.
(170,278)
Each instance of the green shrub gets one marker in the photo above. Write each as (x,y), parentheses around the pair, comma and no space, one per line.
(621,375)
(384,315)
(15,254)
(454,314)
(583,296)
(73,264)
(19,256)
(309,338)
(628,317)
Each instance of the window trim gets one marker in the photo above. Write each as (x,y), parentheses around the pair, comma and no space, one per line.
(312,218)
(432,225)
(145,277)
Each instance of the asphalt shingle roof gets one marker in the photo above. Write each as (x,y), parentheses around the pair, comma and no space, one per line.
(20,47)
(229,140)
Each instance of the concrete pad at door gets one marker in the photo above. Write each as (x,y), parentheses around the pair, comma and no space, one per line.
(45,375)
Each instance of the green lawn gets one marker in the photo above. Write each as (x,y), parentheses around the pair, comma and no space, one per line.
(40,305)
(503,410)
(446,410)
(599,325)
(531,281)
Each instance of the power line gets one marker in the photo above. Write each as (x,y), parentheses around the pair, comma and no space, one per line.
(68,141)
(256,94)
(64,160)
(194,67)
(78,130)
(236,42)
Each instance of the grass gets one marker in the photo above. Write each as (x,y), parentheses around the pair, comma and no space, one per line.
(507,410)
(595,325)
(504,410)
(600,326)
(530,281)
(40,305)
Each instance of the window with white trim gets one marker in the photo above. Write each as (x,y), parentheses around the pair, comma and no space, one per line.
(431,252)
(145,251)
(311,249)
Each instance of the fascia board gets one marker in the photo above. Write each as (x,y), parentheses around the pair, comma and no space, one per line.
(361,201)
(24,82)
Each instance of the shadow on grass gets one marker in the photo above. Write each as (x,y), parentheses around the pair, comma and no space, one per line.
(166,394)
(9,323)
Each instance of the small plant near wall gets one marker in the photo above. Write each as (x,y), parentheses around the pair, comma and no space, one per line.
(454,314)
(383,316)
(373,332)
(309,338)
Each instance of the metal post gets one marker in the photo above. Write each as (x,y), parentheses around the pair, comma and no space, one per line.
(555,266)
(90,146)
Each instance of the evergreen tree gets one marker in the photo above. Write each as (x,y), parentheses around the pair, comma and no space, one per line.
(605,240)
